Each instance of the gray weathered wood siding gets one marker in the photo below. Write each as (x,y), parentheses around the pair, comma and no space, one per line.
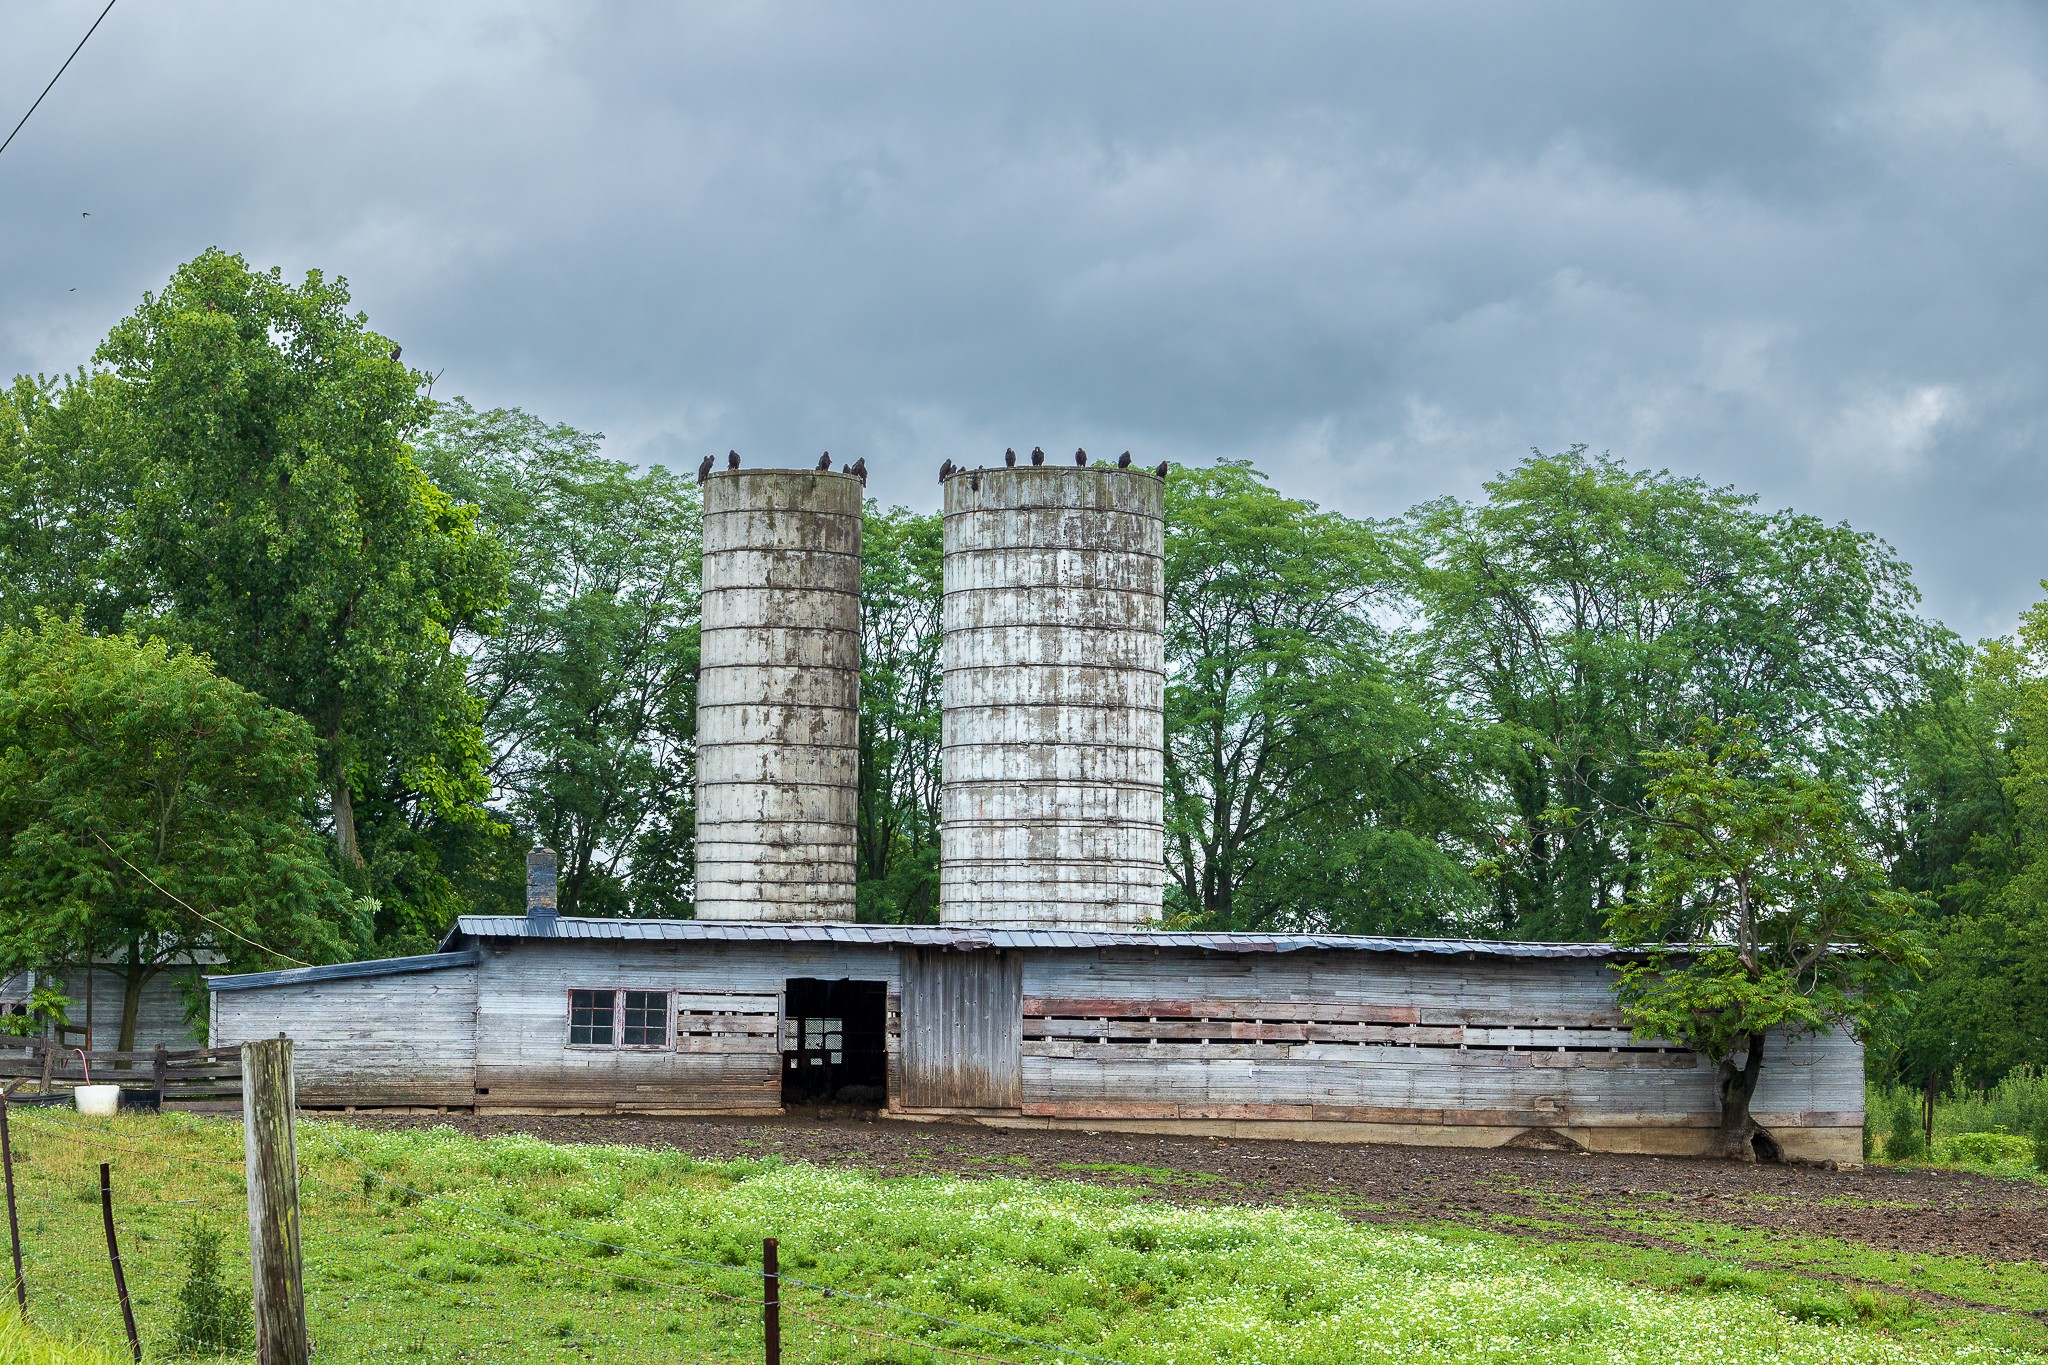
(525,1060)
(962,1041)
(159,1019)
(402,1040)
(1336,1037)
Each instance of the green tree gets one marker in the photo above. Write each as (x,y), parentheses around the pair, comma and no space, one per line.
(898,813)
(1785,920)
(151,809)
(1970,822)
(281,525)
(588,690)
(1308,782)
(1584,614)
(65,489)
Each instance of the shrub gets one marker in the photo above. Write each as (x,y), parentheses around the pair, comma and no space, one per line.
(1987,1149)
(2041,1140)
(212,1318)
(1905,1140)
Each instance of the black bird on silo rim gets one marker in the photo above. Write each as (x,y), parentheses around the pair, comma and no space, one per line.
(1123,461)
(1161,471)
(1080,459)
(825,463)
(945,471)
(732,459)
(704,469)
(860,470)
(1037,455)
(1010,458)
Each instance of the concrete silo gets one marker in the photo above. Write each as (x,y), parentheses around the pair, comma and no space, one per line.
(1052,800)
(778,696)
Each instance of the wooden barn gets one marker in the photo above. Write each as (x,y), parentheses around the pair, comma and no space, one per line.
(1324,1037)
(1047,994)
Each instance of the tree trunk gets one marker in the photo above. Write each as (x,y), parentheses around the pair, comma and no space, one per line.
(133,977)
(1740,1137)
(345,821)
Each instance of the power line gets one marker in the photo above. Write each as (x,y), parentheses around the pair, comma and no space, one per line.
(60,71)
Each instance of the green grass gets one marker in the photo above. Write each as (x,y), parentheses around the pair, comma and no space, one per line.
(24,1345)
(510,1249)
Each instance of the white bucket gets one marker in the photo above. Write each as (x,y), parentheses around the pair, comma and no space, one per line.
(98,1101)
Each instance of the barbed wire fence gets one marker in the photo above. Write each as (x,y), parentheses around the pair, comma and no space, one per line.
(394,1268)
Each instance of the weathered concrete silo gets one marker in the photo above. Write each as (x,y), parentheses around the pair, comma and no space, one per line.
(1052,799)
(778,696)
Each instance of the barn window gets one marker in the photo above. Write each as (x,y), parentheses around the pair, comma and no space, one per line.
(590,1018)
(618,1018)
(646,1018)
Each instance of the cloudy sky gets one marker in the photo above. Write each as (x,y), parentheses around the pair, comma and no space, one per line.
(1380,249)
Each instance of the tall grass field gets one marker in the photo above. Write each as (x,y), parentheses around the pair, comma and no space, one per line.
(432,1246)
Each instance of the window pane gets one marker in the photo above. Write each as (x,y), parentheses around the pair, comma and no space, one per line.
(646,1022)
(590,1017)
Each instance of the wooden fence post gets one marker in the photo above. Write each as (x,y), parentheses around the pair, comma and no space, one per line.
(771,1302)
(13,1223)
(159,1072)
(270,1152)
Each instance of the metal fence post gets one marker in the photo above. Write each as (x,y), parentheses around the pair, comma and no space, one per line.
(13,1223)
(270,1155)
(771,1302)
(114,1258)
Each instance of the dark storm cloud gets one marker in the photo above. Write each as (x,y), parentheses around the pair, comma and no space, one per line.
(1381,252)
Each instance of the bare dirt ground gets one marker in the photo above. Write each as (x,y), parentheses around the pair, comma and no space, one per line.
(1546,1194)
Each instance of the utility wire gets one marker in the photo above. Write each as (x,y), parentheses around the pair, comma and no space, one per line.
(194,909)
(60,71)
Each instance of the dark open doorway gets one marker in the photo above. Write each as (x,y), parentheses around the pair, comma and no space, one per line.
(834,1051)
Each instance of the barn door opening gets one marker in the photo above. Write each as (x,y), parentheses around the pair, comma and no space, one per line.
(833,1045)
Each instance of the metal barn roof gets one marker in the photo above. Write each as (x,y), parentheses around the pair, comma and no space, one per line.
(481,928)
(342,971)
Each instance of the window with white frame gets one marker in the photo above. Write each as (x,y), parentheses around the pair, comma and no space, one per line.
(618,1018)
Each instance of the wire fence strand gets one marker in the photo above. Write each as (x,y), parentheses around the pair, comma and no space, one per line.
(381,1243)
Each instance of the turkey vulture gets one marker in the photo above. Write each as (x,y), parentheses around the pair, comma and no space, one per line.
(1010,458)
(825,463)
(1037,455)
(1161,471)
(704,470)
(860,470)
(945,471)
(396,351)
(1080,459)
(1123,461)
(732,459)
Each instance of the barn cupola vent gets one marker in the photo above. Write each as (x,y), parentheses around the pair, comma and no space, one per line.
(540,892)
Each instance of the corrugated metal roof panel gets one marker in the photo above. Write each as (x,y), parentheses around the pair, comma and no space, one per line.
(483,927)
(342,971)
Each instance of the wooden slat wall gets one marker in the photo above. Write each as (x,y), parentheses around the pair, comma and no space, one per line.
(1345,1036)
(402,1040)
(161,1018)
(961,1018)
(523,1056)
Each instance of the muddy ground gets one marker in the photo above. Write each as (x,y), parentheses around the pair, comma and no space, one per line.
(1535,1192)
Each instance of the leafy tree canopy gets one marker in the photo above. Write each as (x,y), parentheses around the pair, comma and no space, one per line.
(150,808)
(281,525)
(1788,921)
(1585,614)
